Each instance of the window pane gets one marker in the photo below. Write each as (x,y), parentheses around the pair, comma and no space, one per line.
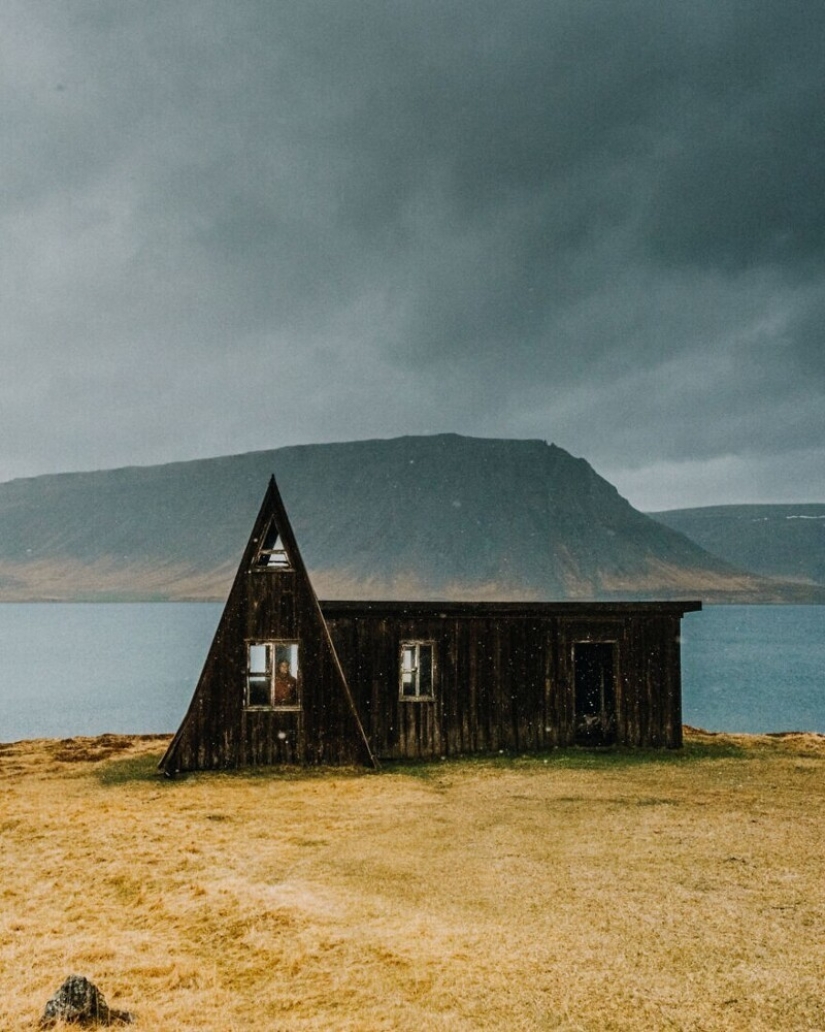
(287,653)
(285,691)
(417,671)
(277,559)
(259,691)
(258,659)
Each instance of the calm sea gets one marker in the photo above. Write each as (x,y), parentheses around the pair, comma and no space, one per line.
(84,669)
(754,668)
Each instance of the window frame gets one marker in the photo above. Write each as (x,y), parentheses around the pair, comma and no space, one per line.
(272,559)
(416,644)
(267,674)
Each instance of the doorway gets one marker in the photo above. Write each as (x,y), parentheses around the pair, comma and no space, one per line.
(594,674)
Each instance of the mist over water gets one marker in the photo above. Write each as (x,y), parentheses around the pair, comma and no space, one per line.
(86,669)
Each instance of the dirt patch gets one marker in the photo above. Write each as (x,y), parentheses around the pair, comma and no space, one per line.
(101,747)
(786,741)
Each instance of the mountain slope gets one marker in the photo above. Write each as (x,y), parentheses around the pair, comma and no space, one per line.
(785,541)
(413,517)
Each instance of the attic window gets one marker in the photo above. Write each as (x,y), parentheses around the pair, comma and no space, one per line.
(417,670)
(272,555)
(272,675)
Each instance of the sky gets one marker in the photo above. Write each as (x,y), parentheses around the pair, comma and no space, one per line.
(233,225)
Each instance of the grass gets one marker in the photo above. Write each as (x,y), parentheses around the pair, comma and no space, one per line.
(576,890)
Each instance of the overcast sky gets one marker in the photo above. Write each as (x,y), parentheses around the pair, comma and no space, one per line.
(230,225)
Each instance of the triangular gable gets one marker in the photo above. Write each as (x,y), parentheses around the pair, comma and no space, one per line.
(272,689)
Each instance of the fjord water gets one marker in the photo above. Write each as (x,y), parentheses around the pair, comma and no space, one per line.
(85,669)
(754,669)
(88,668)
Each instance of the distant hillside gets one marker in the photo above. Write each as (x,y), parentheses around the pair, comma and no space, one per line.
(786,541)
(414,517)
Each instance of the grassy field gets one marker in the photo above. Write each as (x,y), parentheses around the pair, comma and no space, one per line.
(572,891)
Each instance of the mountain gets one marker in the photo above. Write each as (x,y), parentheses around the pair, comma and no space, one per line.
(412,517)
(785,541)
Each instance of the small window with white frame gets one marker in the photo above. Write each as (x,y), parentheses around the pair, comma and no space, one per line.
(417,680)
(272,675)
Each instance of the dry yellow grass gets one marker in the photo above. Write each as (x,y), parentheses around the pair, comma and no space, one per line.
(573,891)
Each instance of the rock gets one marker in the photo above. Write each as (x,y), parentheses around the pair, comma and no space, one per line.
(79,1002)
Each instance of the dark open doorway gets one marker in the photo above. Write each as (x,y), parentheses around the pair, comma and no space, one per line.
(595,683)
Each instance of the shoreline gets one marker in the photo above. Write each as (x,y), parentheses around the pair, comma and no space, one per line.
(109,743)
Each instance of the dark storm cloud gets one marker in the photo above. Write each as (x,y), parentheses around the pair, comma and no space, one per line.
(232,226)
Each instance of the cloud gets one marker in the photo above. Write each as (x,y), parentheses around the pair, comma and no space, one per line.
(238,226)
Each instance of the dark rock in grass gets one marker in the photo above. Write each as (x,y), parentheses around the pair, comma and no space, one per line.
(79,1002)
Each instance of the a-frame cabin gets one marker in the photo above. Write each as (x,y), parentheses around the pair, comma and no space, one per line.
(272,690)
(289,679)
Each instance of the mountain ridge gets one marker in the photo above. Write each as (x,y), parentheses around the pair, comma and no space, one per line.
(441,516)
(781,540)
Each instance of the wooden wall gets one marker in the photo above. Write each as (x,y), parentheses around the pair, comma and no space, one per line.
(504,674)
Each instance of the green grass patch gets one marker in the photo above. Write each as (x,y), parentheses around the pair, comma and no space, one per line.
(129,769)
(143,768)
(572,758)
(276,772)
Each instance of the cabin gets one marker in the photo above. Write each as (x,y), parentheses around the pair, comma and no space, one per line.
(290,679)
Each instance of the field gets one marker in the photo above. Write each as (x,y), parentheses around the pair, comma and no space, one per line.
(571,891)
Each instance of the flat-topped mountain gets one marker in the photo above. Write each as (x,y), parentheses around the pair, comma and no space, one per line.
(412,517)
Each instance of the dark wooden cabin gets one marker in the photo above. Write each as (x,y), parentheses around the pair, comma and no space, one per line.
(289,679)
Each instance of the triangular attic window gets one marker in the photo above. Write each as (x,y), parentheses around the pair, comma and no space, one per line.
(272,555)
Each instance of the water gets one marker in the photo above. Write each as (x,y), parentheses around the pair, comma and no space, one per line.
(84,669)
(754,668)
(87,669)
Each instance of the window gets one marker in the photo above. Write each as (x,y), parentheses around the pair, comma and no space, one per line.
(272,555)
(272,675)
(417,670)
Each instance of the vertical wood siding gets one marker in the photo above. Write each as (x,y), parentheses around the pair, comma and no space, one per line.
(505,679)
